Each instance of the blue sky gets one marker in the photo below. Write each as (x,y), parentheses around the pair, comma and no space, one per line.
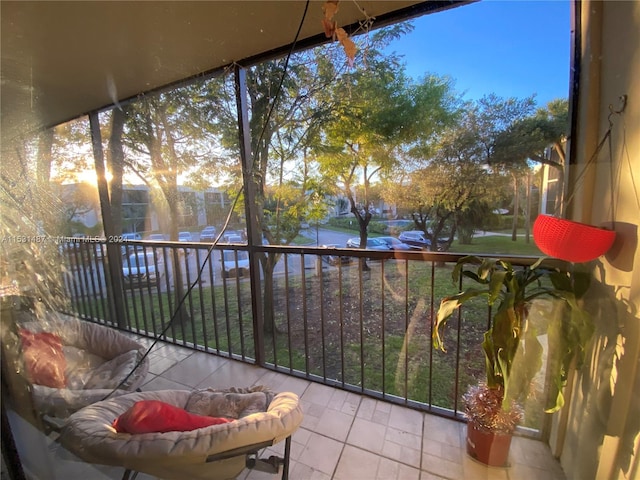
(508,47)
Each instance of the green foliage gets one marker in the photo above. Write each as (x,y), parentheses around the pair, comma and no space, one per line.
(448,186)
(512,351)
(502,222)
(471,219)
(529,137)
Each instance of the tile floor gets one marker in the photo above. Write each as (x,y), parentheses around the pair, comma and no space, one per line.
(343,435)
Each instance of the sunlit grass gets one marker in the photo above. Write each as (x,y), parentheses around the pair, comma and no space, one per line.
(497,245)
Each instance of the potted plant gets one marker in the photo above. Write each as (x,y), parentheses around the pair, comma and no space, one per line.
(512,351)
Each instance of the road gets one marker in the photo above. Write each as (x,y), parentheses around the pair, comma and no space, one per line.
(323,236)
(92,279)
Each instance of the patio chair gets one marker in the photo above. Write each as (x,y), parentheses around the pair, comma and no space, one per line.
(238,424)
(56,364)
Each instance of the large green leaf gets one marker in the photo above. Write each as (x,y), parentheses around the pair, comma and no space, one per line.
(448,305)
(526,363)
(495,285)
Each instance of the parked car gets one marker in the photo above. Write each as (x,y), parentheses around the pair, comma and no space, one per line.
(128,249)
(415,239)
(142,268)
(234,239)
(234,263)
(101,251)
(334,259)
(77,248)
(185,237)
(208,234)
(372,244)
(394,243)
(131,236)
(231,234)
(159,237)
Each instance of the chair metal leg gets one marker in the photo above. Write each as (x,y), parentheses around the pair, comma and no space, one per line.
(287,456)
(129,474)
(273,463)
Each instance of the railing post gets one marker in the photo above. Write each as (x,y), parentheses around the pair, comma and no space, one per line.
(254,235)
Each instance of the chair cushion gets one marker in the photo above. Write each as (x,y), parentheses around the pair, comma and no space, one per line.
(112,372)
(81,364)
(147,416)
(43,358)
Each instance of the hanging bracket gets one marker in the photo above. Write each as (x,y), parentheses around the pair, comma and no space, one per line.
(622,100)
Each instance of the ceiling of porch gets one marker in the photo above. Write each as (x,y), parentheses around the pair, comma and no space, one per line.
(63,59)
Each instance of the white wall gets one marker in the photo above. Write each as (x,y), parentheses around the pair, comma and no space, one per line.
(598,435)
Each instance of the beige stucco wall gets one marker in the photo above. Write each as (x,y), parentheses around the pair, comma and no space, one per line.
(598,435)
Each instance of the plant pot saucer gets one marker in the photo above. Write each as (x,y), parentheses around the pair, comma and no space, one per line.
(504,467)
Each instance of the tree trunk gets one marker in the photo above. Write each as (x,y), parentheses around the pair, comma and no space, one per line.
(516,209)
(363,223)
(268,263)
(179,289)
(169,186)
(115,164)
(527,213)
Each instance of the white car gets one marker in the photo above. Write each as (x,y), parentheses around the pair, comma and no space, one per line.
(231,267)
(185,237)
(208,234)
(142,268)
(130,248)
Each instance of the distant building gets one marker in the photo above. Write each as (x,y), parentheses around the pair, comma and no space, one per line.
(142,210)
(552,188)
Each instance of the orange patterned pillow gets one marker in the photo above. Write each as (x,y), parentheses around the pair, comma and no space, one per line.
(43,358)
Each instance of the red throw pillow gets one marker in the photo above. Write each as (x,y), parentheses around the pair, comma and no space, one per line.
(43,358)
(148,416)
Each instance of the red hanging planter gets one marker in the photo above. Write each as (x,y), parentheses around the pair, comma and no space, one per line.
(571,241)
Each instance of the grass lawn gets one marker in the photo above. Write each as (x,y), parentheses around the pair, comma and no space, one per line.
(497,245)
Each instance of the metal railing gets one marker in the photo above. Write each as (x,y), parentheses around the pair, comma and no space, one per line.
(359,320)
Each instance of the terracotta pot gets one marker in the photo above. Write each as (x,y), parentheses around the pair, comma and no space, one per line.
(487,447)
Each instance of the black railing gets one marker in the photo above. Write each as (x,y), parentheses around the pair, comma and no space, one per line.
(354,319)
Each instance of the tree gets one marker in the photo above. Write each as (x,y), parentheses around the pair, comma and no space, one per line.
(382,115)
(453,185)
(533,136)
(284,123)
(64,156)
(166,135)
(496,116)
(116,165)
(77,201)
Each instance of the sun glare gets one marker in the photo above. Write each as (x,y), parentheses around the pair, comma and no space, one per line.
(89,176)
